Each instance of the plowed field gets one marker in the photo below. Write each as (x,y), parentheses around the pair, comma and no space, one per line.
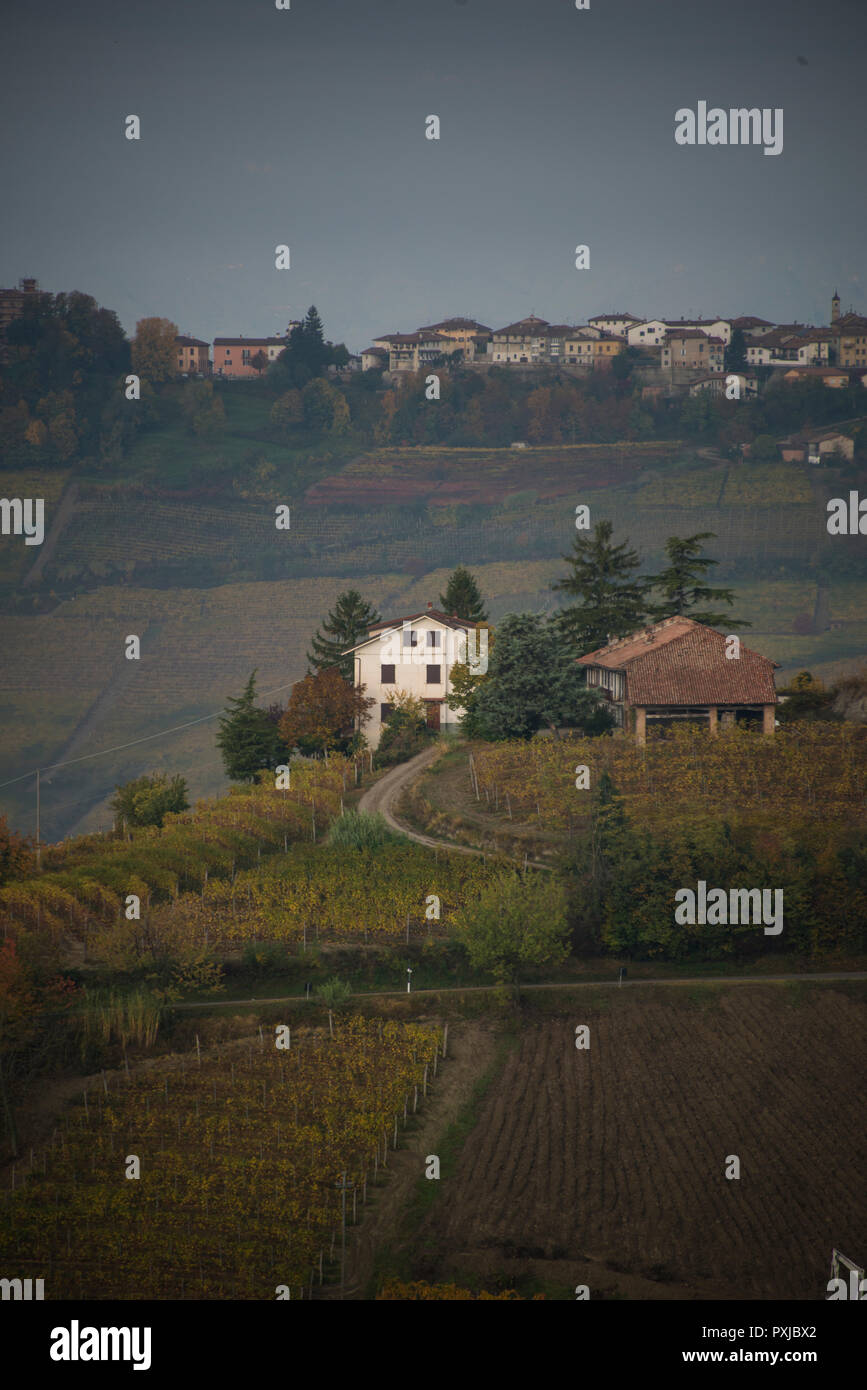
(607,1166)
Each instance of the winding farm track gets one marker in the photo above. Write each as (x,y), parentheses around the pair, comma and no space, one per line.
(382,796)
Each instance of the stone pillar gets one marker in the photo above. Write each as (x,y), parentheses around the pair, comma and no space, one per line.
(768,712)
(712,718)
(640,724)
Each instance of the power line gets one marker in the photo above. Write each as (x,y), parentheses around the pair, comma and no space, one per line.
(119,747)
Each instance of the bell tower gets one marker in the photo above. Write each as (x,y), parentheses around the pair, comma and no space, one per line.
(835,307)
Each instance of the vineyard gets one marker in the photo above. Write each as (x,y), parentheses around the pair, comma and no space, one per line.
(248,1159)
(812,770)
(84,883)
(321,895)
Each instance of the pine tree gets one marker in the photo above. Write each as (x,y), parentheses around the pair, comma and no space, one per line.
(248,740)
(345,626)
(612,600)
(681,588)
(463,598)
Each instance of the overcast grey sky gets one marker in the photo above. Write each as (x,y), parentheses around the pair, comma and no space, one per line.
(306,127)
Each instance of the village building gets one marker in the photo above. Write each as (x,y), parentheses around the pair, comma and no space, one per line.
(814,446)
(750,326)
(834,377)
(522,342)
(678,670)
(464,335)
(192,356)
(651,333)
(234,357)
(712,328)
(690,347)
(614,323)
(413,654)
(412,352)
(717,383)
(374,358)
(850,340)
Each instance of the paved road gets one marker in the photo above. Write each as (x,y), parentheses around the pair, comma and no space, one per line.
(557,984)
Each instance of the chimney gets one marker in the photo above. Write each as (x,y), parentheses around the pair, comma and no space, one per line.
(429,604)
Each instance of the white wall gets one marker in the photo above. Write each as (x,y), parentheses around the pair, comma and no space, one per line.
(436,645)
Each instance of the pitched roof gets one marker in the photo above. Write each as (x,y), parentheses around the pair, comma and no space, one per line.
(396,624)
(454,324)
(441,617)
(523,328)
(183,341)
(682,662)
(691,333)
(248,342)
(750,321)
(599,318)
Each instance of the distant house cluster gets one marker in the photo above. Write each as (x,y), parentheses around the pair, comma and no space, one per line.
(834,355)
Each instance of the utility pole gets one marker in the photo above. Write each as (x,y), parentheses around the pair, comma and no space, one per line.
(38,842)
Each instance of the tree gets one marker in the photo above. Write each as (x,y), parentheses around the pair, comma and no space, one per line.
(323,712)
(405,732)
(288,409)
(247,738)
(153,349)
(147,800)
(324,407)
(514,923)
(612,600)
(533,682)
(307,354)
(805,697)
(764,449)
(681,587)
(736,352)
(16,853)
(345,626)
(462,598)
(259,361)
(464,678)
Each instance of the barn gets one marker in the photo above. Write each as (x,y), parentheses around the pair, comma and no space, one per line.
(679,669)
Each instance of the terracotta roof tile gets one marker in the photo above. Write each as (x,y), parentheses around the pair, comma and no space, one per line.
(682,662)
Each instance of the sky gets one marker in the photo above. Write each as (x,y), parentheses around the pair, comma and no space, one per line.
(306,127)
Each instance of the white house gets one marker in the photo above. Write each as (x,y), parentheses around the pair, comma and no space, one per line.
(649,334)
(415,654)
(614,323)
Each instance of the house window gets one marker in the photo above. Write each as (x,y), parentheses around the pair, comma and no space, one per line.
(433,638)
(433,675)
(386,675)
(410,638)
(384,712)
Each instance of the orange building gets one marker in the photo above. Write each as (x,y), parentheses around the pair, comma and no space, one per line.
(234,357)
